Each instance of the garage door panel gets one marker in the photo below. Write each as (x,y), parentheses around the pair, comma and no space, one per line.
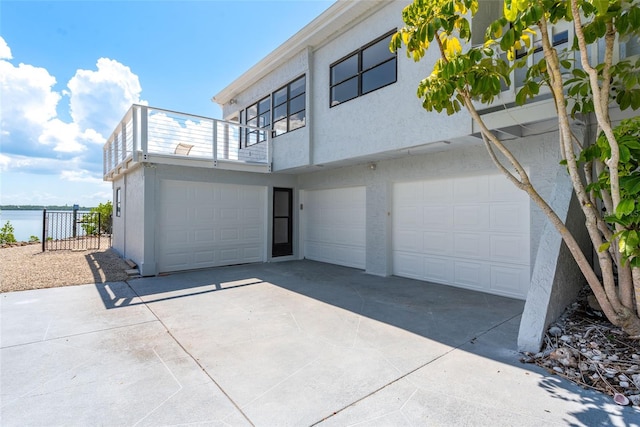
(205,224)
(408,241)
(408,216)
(204,235)
(229,255)
(410,193)
(437,217)
(508,217)
(436,242)
(471,217)
(334,226)
(471,189)
(471,274)
(510,281)
(438,269)
(470,245)
(251,214)
(510,249)
(408,265)
(474,233)
(229,235)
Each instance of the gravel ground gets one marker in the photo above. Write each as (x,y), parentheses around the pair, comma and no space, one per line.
(27,267)
(584,347)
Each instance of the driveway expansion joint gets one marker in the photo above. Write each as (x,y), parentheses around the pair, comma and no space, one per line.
(197,362)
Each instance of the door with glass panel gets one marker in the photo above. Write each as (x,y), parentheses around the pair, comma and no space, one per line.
(282,222)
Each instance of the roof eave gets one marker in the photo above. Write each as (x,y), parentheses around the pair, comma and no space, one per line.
(308,36)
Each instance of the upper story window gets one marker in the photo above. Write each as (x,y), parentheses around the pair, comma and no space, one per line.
(289,107)
(257,115)
(369,68)
(282,111)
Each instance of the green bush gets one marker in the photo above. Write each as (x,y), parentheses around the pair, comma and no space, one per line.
(105,210)
(6,233)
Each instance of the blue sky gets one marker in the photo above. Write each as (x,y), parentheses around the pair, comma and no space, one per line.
(69,70)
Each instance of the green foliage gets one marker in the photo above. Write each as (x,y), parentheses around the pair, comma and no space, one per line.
(105,210)
(34,239)
(627,212)
(6,233)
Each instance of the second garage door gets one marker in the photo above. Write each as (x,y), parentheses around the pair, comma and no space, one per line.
(334,226)
(203,224)
(469,232)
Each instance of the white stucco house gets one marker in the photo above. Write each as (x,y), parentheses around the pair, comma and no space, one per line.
(326,153)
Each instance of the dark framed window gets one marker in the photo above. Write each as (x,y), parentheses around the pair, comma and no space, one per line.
(118,201)
(371,67)
(257,115)
(289,106)
(282,111)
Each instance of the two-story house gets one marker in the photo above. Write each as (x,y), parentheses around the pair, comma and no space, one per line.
(326,153)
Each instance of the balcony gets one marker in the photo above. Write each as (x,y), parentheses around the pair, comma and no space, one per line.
(153,135)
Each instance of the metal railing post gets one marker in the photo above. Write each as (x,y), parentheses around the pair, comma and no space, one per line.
(144,130)
(215,141)
(134,121)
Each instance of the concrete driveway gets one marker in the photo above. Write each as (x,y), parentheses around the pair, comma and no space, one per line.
(296,343)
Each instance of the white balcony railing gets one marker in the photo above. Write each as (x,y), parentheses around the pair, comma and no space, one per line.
(148,134)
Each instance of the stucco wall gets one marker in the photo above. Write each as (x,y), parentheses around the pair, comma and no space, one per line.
(389,118)
(118,235)
(290,150)
(134,215)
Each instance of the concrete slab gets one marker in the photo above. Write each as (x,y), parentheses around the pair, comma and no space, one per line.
(295,343)
(40,315)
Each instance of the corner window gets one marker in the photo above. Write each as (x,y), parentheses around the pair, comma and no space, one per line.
(289,107)
(282,111)
(371,67)
(118,201)
(257,115)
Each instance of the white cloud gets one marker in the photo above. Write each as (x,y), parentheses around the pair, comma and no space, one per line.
(100,98)
(80,176)
(5,51)
(67,137)
(16,163)
(28,100)
(46,159)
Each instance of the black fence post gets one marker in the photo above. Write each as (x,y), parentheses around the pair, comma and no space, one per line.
(44,229)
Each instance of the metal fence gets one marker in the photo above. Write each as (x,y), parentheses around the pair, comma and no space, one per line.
(71,230)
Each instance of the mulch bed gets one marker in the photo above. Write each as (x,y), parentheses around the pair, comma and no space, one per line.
(585,348)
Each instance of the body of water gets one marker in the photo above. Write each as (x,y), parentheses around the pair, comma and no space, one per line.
(25,224)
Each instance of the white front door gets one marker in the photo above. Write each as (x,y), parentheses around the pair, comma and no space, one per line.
(471,232)
(203,224)
(334,226)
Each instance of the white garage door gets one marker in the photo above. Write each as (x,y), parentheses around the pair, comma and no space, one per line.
(468,232)
(204,224)
(334,226)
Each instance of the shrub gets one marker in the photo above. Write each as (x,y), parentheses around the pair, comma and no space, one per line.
(6,233)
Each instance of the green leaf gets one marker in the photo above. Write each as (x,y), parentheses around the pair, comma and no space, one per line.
(604,247)
(601,6)
(625,207)
(508,39)
(630,184)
